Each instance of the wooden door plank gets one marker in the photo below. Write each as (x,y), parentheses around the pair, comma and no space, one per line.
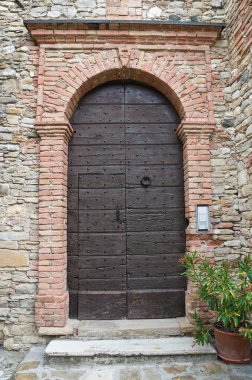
(135,93)
(99,113)
(102,266)
(153,265)
(102,133)
(73,270)
(96,179)
(155,243)
(155,198)
(97,155)
(102,305)
(159,303)
(101,221)
(160,282)
(72,243)
(148,113)
(99,244)
(157,133)
(102,284)
(111,93)
(153,155)
(101,199)
(165,175)
(139,220)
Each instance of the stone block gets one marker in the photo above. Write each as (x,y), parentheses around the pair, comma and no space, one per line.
(25,376)
(105,374)
(228,123)
(28,366)
(176,368)
(13,259)
(8,245)
(26,288)
(154,12)
(8,72)
(249,131)
(247,190)
(57,331)
(4,189)
(143,328)
(32,359)
(86,3)
(12,235)
(21,330)
(217,4)
(8,343)
(128,373)
(149,348)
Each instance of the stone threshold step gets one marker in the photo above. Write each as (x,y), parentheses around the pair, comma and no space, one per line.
(124,329)
(136,328)
(114,350)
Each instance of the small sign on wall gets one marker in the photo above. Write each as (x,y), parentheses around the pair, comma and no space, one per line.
(202,217)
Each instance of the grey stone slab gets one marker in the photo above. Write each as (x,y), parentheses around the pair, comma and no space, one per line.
(68,329)
(14,236)
(33,358)
(130,373)
(100,374)
(9,360)
(141,328)
(151,373)
(134,347)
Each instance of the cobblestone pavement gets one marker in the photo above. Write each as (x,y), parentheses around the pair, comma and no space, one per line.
(210,369)
(213,370)
(9,361)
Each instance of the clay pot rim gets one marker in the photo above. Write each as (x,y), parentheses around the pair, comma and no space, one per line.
(227,332)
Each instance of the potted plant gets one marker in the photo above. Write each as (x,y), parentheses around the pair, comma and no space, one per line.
(226,288)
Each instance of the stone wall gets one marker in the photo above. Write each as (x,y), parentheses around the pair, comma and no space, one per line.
(19,170)
(230,60)
(207,10)
(239,90)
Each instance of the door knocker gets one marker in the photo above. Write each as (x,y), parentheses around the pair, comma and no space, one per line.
(145,181)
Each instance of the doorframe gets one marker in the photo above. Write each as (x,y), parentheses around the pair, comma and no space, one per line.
(86,61)
(76,292)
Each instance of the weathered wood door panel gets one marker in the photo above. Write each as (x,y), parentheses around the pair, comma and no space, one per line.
(126,224)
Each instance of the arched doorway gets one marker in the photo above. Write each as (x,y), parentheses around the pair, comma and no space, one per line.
(126,219)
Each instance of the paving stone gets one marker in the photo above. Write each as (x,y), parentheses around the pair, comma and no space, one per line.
(26,376)
(176,368)
(132,374)
(33,359)
(100,374)
(64,375)
(142,328)
(211,368)
(184,377)
(152,373)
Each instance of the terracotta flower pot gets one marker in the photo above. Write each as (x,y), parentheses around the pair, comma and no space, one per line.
(232,347)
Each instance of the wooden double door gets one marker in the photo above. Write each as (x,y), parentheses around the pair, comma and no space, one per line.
(126,223)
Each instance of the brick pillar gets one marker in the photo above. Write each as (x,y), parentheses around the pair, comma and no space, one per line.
(198,190)
(52,295)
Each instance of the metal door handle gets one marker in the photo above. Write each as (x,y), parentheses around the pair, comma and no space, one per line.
(118,219)
(145,181)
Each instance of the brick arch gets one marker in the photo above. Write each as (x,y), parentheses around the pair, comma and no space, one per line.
(57,100)
(173,82)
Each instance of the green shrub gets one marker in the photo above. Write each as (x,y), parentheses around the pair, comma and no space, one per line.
(226,287)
